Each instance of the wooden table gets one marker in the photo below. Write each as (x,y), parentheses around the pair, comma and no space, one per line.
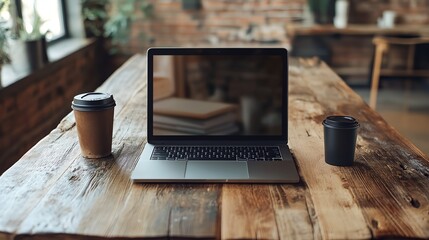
(354,29)
(54,192)
(349,51)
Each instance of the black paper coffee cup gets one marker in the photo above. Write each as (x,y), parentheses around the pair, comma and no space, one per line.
(340,133)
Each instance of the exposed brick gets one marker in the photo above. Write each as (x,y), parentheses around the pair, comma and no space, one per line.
(408,11)
(167,5)
(7,106)
(2,108)
(173,26)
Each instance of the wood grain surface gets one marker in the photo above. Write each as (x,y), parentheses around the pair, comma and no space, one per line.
(52,192)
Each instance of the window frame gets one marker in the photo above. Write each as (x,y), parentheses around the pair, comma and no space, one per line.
(64,19)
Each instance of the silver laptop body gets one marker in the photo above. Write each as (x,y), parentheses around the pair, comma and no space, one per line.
(217,115)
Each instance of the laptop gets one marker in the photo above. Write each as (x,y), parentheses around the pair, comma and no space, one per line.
(217,115)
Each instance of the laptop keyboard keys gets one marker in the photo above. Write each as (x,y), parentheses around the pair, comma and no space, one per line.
(230,153)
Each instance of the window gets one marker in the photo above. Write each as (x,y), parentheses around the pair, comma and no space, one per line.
(5,19)
(52,15)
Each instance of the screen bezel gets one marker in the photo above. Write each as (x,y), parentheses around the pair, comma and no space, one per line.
(165,139)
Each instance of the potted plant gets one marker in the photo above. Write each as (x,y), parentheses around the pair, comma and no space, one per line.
(4,54)
(29,45)
(35,41)
(111,22)
(94,15)
(323,10)
(112,19)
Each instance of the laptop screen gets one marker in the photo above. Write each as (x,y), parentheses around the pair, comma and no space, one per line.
(218,93)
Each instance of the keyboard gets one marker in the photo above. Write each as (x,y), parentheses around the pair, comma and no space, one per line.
(233,153)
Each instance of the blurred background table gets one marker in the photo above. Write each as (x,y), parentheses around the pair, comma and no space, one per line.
(53,192)
(349,51)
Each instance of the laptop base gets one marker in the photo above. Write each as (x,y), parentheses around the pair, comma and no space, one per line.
(215,171)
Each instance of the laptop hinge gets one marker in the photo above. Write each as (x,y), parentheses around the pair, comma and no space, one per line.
(231,142)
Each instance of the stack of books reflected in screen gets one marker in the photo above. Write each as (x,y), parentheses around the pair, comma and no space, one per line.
(180,116)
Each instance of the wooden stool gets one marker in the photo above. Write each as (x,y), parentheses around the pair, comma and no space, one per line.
(381,46)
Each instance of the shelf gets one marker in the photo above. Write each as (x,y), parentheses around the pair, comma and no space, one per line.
(404,73)
(352,71)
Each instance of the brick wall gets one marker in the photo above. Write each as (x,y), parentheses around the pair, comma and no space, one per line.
(33,106)
(408,11)
(227,21)
(216,21)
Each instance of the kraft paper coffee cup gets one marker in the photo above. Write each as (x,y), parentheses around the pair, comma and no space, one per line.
(93,112)
(340,133)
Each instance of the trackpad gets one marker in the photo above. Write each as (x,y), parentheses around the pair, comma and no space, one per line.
(216,170)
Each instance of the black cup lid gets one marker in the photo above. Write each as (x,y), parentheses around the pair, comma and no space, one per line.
(341,122)
(93,101)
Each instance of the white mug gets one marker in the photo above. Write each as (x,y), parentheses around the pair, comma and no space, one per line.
(389,19)
(341,13)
